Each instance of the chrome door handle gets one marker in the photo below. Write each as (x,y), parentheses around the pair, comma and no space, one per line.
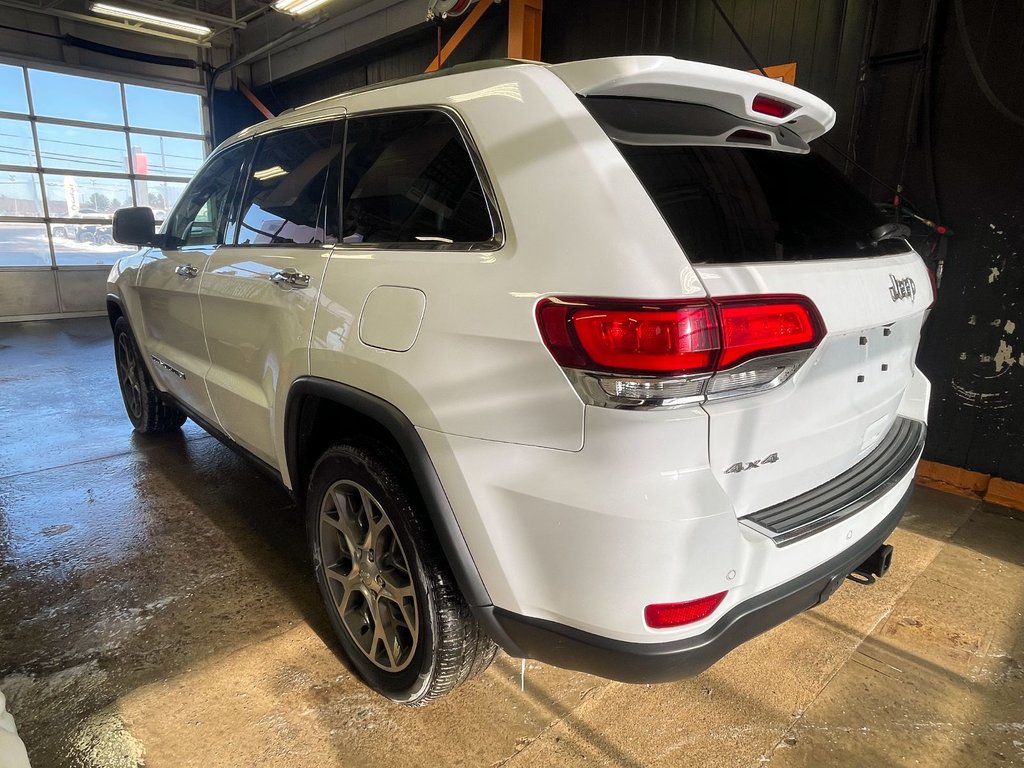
(187,271)
(290,277)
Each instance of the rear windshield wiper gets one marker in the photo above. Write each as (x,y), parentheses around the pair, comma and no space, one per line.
(890,231)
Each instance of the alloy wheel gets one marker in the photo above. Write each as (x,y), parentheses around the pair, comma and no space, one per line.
(128,375)
(368,575)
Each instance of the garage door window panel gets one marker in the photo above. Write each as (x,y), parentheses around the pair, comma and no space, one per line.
(82,208)
(77,155)
(97,197)
(12,90)
(73,147)
(23,244)
(409,181)
(163,110)
(16,147)
(86,245)
(19,194)
(156,155)
(70,97)
(292,190)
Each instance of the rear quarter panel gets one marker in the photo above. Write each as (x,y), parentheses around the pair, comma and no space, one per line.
(575,221)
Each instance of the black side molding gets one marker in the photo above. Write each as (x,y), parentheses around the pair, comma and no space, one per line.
(453,543)
(572,648)
(227,442)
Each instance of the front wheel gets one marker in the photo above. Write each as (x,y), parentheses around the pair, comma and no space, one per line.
(388,592)
(146,408)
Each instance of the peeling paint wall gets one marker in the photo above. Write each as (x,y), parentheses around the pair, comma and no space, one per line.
(972,350)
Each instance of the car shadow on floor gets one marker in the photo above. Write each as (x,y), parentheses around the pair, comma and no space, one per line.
(238,497)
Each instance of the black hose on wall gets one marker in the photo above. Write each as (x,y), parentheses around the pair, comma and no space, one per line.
(110,50)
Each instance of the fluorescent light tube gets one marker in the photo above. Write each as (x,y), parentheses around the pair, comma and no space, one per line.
(117,12)
(296,7)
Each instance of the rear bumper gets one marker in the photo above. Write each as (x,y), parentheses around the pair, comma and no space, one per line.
(847,494)
(572,648)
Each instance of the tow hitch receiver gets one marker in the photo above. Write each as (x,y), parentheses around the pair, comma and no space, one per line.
(876,565)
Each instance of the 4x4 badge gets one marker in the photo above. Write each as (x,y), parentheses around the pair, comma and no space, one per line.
(902,288)
(743,466)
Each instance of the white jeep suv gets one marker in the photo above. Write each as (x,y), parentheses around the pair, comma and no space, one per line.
(596,362)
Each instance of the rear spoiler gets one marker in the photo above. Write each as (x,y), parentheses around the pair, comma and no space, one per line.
(730,90)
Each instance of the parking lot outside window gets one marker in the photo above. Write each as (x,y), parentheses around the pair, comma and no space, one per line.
(73,149)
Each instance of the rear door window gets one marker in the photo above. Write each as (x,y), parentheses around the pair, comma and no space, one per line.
(291,196)
(732,204)
(409,181)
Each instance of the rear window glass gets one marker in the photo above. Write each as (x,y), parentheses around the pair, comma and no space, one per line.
(409,180)
(728,204)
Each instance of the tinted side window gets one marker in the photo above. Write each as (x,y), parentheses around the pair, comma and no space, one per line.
(201,215)
(292,193)
(409,179)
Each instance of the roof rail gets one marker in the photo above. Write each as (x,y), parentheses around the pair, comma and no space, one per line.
(473,66)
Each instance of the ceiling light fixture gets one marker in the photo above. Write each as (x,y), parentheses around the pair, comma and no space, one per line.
(297,7)
(127,14)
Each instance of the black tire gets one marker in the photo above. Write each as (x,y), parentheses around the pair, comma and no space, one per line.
(145,406)
(437,644)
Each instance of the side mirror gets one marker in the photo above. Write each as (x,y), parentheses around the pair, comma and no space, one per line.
(134,226)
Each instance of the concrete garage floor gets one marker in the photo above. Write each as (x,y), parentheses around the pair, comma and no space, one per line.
(156,608)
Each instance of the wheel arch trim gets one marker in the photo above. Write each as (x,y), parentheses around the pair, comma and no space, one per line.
(396,424)
(147,362)
(113,298)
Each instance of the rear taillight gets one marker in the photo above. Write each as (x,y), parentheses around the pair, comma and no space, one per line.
(652,354)
(752,328)
(642,338)
(665,615)
(766,105)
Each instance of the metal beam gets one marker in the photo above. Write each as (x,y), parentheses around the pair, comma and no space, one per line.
(524,29)
(460,34)
(254,100)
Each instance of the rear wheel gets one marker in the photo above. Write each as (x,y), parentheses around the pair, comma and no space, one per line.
(146,408)
(388,591)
